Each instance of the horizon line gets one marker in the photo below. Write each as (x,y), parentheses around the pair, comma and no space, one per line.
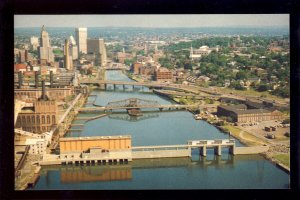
(238,26)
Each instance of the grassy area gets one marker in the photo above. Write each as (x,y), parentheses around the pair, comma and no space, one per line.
(243,136)
(58,52)
(251,92)
(283,158)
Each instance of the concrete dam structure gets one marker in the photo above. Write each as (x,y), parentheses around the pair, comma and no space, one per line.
(118,149)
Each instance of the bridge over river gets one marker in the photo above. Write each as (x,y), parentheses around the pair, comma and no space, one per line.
(135,103)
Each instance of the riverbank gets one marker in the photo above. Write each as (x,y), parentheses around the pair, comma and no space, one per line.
(243,136)
(277,154)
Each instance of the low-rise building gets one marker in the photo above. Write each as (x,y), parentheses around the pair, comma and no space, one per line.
(163,74)
(240,113)
(135,68)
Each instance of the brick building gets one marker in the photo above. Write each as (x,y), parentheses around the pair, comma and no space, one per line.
(240,113)
(40,117)
(33,93)
(135,68)
(163,74)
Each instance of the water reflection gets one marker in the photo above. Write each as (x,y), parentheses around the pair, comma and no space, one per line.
(85,173)
(126,117)
(118,172)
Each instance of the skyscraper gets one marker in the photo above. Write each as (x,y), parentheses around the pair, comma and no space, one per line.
(81,37)
(97,47)
(34,42)
(67,56)
(73,48)
(45,50)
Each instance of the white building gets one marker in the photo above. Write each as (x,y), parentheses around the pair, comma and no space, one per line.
(34,42)
(73,48)
(37,146)
(202,51)
(81,40)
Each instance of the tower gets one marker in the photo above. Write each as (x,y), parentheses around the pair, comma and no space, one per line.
(97,47)
(66,56)
(191,52)
(73,48)
(81,40)
(45,50)
(103,53)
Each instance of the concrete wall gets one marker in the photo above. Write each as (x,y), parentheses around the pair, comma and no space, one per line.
(250,150)
(161,154)
(78,145)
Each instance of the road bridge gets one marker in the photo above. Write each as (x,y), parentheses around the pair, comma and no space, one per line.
(105,83)
(184,94)
(135,103)
(171,86)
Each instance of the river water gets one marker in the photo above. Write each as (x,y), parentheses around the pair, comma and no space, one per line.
(159,128)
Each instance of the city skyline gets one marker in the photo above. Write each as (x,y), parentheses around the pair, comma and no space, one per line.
(154,21)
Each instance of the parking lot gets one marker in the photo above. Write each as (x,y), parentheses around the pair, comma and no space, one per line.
(258,129)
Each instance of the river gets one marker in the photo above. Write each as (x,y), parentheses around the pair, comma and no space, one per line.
(160,128)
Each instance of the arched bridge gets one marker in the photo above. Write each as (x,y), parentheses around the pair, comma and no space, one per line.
(135,103)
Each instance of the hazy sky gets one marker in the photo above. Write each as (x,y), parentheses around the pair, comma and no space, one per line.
(151,20)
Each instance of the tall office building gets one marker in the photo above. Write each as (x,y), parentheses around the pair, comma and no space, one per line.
(67,59)
(34,42)
(97,47)
(73,48)
(81,37)
(45,50)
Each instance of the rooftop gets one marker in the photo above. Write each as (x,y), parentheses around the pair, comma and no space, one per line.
(95,138)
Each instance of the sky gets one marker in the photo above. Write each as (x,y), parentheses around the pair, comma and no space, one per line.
(165,21)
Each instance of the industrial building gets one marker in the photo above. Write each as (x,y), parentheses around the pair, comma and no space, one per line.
(40,117)
(240,113)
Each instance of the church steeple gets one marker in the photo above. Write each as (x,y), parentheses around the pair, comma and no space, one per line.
(191,52)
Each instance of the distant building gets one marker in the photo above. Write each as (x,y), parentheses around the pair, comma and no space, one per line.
(202,51)
(23,56)
(163,74)
(40,117)
(45,50)
(73,48)
(135,67)
(147,70)
(34,42)
(37,146)
(68,61)
(240,113)
(97,47)
(20,67)
(81,40)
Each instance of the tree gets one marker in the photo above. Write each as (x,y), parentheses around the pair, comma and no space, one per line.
(282,92)
(188,65)
(286,121)
(262,88)
(241,75)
